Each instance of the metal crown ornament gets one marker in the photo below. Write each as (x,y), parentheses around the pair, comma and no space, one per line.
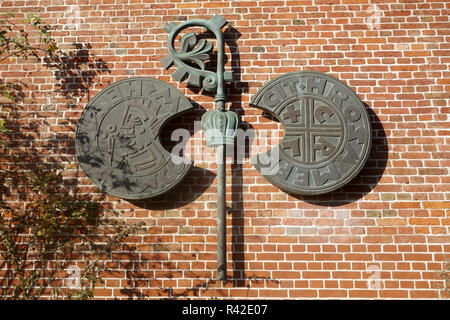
(219,127)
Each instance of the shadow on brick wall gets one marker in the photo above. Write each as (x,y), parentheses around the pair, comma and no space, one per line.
(37,135)
(235,92)
(76,70)
(185,193)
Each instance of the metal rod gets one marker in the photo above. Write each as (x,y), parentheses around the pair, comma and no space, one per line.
(221,170)
(221,214)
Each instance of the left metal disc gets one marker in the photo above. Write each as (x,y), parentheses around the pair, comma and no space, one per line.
(118,138)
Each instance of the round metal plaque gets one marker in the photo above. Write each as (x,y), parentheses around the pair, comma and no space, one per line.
(117,138)
(327,134)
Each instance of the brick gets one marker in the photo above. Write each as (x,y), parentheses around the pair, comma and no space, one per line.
(346,275)
(424,221)
(388,257)
(378,239)
(392,221)
(332,294)
(437,205)
(396,294)
(373,213)
(273,293)
(389,213)
(286,274)
(358,256)
(424,294)
(315,275)
(303,293)
(406,275)
(365,294)
(328,256)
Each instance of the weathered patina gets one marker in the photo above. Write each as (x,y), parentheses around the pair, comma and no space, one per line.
(327,133)
(118,138)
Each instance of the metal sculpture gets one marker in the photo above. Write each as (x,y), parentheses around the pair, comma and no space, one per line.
(118,134)
(327,132)
(327,129)
(219,125)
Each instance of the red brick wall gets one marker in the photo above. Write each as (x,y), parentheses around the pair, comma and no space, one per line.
(384,235)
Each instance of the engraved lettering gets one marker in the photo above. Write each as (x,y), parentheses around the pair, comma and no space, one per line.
(153,182)
(351,113)
(170,172)
(280,91)
(166,99)
(284,169)
(148,88)
(292,85)
(299,176)
(320,111)
(350,155)
(337,96)
(131,88)
(127,159)
(359,133)
(330,173)
(316,85)
(270,99)
(324,146)
(111,96)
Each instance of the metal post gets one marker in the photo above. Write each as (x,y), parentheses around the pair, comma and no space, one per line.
(221,214)
(219,125)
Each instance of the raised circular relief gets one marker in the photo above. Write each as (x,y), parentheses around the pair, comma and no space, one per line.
(117,138)
(327,134)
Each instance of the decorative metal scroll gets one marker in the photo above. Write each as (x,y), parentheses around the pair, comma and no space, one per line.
(327,134)
(190,59)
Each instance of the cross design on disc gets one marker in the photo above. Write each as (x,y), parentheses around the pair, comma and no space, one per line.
(327,133)
(313,129)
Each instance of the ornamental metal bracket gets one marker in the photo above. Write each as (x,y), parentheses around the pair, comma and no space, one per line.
(219,125)
(194,52)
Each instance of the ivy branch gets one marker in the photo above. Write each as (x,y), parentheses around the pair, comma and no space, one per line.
(53,231)
(15,40)
(26,38)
